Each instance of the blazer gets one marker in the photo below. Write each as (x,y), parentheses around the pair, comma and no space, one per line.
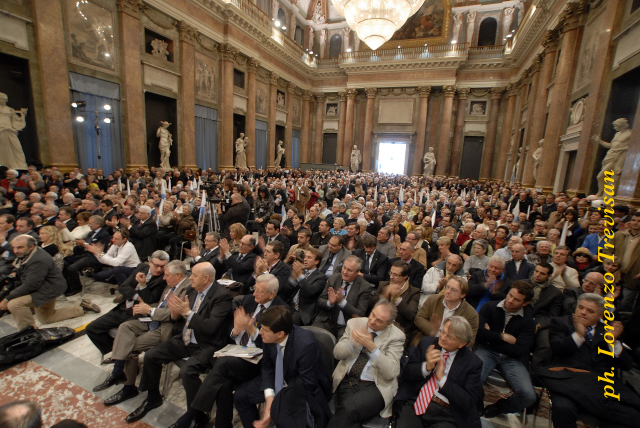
(357,301)
(310,289)
(548,306)
(238,213)
(570,299)
(283,240)
(386,368)
(434,305)
(163,315)
(463,387)
(407,308)
(143,237)
(525,271)
(102,237)
(416,272)
(212,258)
(377,268)
(242,270)
(338,259)
(282,271)
(249,304)
(39,277)
(523,328)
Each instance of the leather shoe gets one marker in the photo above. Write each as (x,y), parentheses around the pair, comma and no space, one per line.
(192,424)
(141,411)
(491,411)
(109,382)
(121,396)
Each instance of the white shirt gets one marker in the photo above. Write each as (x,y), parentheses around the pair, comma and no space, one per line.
(447,313)
(579,341)
(124,255)
(440,383)
(206,252)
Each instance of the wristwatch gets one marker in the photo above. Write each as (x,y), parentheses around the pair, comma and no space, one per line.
(188,314)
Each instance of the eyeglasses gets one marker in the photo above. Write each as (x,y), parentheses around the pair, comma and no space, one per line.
(157,265)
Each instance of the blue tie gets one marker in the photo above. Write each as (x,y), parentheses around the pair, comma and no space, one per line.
(589,334)
(279,369)
(153,325)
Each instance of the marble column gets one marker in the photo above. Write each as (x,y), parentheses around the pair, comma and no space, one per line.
(250,120)
(490,139)
(368,128)
(349,126)
(539,118)
(225,142)
(445,131)
(288,131)
(628,188)
(433,123)
(458,132)
(305,141)
(187,119)
(341,126)
(133,126)
(572,21)
(517,128)
(271,146)
(52,62)
(317,156)
(505,136)
(530,145)
(421,131)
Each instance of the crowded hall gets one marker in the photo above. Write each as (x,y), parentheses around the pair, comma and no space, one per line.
(319,213)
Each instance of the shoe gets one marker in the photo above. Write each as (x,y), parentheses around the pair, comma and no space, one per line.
(491,411)
(142,411)
(119,298)
(121,396)
(109,382)
(88,306)
(107,361)
(72,292)
(192,424)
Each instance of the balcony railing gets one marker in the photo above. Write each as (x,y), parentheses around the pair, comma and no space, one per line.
(254,12)
(486,52)
(328,62)
(403,54)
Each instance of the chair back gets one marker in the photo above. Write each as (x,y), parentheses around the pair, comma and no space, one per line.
(327,343)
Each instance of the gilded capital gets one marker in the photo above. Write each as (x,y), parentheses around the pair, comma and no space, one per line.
(424,91)
(512,90)
(371,92)
(463,93)
(252,65)
(550,42)
(343,96)
(274,79)
(496,93)
(320,96)
(130,7)
(291,88)
(351,94)
(228,52)
(449,91)
(572,17)
(306,95)
(188,33)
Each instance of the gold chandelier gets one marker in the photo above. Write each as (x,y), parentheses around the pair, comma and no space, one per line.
(375,21)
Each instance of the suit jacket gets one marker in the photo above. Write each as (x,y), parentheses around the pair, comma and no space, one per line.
(525,271)
(143,237)
(238,213)
(249,304)
(71,224)
(407,308)
(242,270)
(378,267)
(523,328)
(39,277)
(463,387)
(338,259)
(282,271)
(163,315)
(434,305)
(102,237)
(212,258)
(151,294)
(51,222)
(548,306)
(416,272)
(357,301)
(570,299)
(310,289)
(386,368)
(285,243)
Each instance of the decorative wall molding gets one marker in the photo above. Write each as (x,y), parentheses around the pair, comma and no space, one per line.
(154,76)
(14,30)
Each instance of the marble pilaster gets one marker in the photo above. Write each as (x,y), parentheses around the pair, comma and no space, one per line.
(490,139)
(421,132)
(288,131)
(250,120)
(368,128)
(305,141)
(271,146)
(317,155)
(458,132)
(505,136)
(349,126)
(445,131)
(341,125)
(225,142)
(187,101)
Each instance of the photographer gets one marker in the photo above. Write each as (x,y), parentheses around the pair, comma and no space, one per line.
(237,213)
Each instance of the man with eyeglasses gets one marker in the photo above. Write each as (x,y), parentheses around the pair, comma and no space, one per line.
(419,253)
(144,285)
(333,256)
(239,265)
(209,253)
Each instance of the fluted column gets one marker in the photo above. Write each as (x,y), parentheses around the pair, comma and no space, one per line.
(445,130)
(505,136)
(225,142)
(288,131)
(271,147)
(187,130)
(250,122)
(458,132)
(368,128)
(349,126)
(490,139)
(341,126)
(527,171)
(421,131)
(572,20)
(305,141)
(317,157)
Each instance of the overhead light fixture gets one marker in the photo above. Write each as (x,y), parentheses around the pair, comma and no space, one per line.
(349,50)
(277,23)
(453,42)
(78,104)
(284,27)
(80,119)
(398,47)
(107,54)
(311,53)
(509,36)
(107,107)
(107,120)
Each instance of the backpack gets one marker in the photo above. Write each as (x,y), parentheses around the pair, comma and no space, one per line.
(29,343)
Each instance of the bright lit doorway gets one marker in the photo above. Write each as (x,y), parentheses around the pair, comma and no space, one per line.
(391,158)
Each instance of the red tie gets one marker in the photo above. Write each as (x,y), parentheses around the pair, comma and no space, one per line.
(427,391)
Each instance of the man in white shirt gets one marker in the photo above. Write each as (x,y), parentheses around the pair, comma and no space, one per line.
(563,275)
(121,256)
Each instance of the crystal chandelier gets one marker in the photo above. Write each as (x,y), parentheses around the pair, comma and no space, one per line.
(375,21)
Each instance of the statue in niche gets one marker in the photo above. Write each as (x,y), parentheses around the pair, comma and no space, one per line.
(516,167)
(166,141)
(356,158)
(429,163)
(457,25)
(318,16)
(507,20)
(323,41)
(346,33)
(279,154)
(471,25)
(280,99)
(241,151)
(537,155)
(614,160)
(311,39)
(274,9)
(11,122)
(160,49)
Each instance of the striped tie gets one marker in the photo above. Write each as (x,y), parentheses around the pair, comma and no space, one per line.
(427,391)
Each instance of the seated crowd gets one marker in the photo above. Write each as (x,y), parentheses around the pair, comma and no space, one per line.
(425,285)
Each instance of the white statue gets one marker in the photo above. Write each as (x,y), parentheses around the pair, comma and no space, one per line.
(346,38)
(241,151)
(614,160)
(507,20)
(429,160)
(537,155)
(11,122)
(274,9)
(160,49)
(323,42)
(356,158)
(471,26)
(318,16)
(280,153)
(311,39)
(165,144)
(457,25)
(516,167)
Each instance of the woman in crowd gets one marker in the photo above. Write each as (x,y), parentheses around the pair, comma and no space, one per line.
(183,223)
(338,227)
(236,231)
(165,223)
(80,231)
(574,230)
(373,225)
(263,206)
(479,259)
(442,250)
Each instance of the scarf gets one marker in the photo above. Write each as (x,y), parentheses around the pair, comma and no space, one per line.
(537,289)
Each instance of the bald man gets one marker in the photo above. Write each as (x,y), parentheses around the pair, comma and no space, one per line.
(590,284)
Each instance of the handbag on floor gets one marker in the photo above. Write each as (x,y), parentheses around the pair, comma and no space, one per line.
(29,343)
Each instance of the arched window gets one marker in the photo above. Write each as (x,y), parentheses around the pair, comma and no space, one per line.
(487,32)
(282,17)
(299,36)
(335,46)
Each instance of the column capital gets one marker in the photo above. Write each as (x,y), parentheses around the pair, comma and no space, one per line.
(424,91)
(291,88)
(463,93)
(320,96)
(496,93)
(449,91)
(371,92)
(274,79)
(228,52)
(252,65)
(550,42)
(351,94)
(572,17)
(188,33)
(512,90)
(343,96)
(130,7)
(307,95)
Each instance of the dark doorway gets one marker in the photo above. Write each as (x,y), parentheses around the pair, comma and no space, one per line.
(488,32)
(571,163)
(335,46)
(280,137)
(471,152)
(299,36)
(329,148)
(14,73)
(157,109)
(239,122)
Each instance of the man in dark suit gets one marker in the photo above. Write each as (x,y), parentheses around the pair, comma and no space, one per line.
(306,284)
(237,213)
(209,253)
(344,296)
(546,305)
(299,366)
(49,215)
(202,316)
(314,219)
(271,263)
(65,219)
(416,269)
(229,372)
(581,377)
(374,263)
(144,284)
(441,381)
(272,233)
(518,268)
(142,235)
(322,236)
(241,264)
(333,256)
(107,211)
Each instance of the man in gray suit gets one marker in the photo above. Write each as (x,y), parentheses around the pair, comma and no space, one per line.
(344,296)
(333,256)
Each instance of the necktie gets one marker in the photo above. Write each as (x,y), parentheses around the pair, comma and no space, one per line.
(589,334)
(279,383)
(366,264)
(186,333)
(427,391)
(205,254)
(153,325)
(240,257)
(360,363)
(244,340)
(326,266)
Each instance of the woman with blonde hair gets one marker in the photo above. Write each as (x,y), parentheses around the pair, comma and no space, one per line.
(51,242)
(236,231)
(338,227)
(395,238)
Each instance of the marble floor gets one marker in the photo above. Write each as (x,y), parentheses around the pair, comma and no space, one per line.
(62,379)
